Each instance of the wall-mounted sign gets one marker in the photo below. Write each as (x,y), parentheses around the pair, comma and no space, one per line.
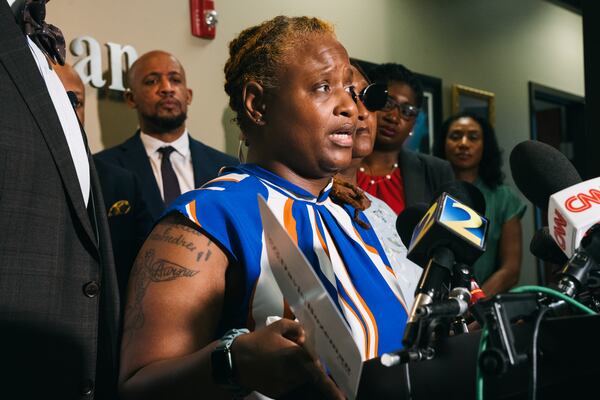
(89,67)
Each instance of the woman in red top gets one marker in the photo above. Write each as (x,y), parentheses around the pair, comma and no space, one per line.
(399,177)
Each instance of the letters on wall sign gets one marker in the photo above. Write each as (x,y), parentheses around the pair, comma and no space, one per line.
(89,67)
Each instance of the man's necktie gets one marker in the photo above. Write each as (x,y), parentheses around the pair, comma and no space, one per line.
(47,37)
(170,183)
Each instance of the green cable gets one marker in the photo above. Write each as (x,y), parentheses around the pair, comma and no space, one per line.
(522,289)
(552,292)
(482,347)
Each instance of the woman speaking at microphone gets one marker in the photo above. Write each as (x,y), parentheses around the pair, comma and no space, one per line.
(468,142)
(201,287)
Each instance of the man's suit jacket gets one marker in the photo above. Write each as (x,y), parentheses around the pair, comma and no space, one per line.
(423,175)
(131,155)
(59,303)
(128,217)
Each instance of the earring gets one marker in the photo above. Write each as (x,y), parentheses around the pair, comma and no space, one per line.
(241,151)
(410,133)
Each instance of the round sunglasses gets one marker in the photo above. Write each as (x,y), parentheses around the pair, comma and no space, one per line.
(375,98)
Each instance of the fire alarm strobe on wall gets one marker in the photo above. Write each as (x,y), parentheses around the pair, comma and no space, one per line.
(204,18)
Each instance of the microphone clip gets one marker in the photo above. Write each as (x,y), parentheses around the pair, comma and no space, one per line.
(499,313)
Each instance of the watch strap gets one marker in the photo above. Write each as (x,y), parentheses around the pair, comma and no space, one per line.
(223,368)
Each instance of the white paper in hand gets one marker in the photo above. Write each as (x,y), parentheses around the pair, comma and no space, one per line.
(328,336)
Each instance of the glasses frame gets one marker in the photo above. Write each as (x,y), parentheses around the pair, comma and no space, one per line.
(403,108)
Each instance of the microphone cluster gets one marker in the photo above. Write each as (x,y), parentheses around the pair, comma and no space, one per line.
(549,180)
(447,236)
(444,238)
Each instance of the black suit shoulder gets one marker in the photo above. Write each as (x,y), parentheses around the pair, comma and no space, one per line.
(435,163)
(113,155)
(131,155)
(439,171)
(207,162)
(129,219)
(111,176)
(423,175)
(216,156)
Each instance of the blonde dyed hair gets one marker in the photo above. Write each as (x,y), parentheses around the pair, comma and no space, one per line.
(258,53)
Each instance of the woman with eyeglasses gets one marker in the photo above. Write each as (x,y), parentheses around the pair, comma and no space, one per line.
(380,217)
(469,143)
(397,176)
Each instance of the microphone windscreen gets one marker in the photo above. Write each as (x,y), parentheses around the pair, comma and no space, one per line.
(544,247)
(408,219)
(465,192)
(539,170)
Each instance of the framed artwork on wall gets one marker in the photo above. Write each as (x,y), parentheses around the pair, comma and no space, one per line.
(430,115)
(477,101)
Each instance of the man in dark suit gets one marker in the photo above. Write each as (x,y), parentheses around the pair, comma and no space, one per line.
(166,159)
(128,216)
(59,302)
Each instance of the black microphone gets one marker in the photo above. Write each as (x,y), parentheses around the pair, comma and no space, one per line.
(573,277)
(452,223)
(408,219)
(449,232)
(575,272)
(456,304)
(544,247)
(465,192)
(539,171)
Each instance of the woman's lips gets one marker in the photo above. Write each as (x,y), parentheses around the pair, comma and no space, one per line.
(343,137)
(363,130)
(387,131)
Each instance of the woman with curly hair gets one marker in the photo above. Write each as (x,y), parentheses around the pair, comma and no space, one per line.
(469,143)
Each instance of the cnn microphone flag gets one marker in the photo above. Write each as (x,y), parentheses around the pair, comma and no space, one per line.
(572,212)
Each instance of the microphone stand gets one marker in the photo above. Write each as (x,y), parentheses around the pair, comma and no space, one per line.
(434,284)
(443,297)
(461,278)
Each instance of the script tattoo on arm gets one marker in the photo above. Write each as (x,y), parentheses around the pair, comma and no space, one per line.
(201,253)
(146,270)
(176,235)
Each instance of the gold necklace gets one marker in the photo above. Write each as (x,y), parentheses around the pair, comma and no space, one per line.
(388,176)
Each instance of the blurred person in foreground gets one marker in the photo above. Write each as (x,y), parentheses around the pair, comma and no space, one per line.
(290,82)
(59,300)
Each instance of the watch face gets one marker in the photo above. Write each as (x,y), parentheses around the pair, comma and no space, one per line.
(222,366)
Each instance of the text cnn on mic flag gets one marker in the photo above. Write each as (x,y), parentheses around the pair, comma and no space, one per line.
(572,212)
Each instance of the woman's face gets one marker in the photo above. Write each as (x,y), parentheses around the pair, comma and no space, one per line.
(392,127)
(366,128)
(311,117)
(464,144)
